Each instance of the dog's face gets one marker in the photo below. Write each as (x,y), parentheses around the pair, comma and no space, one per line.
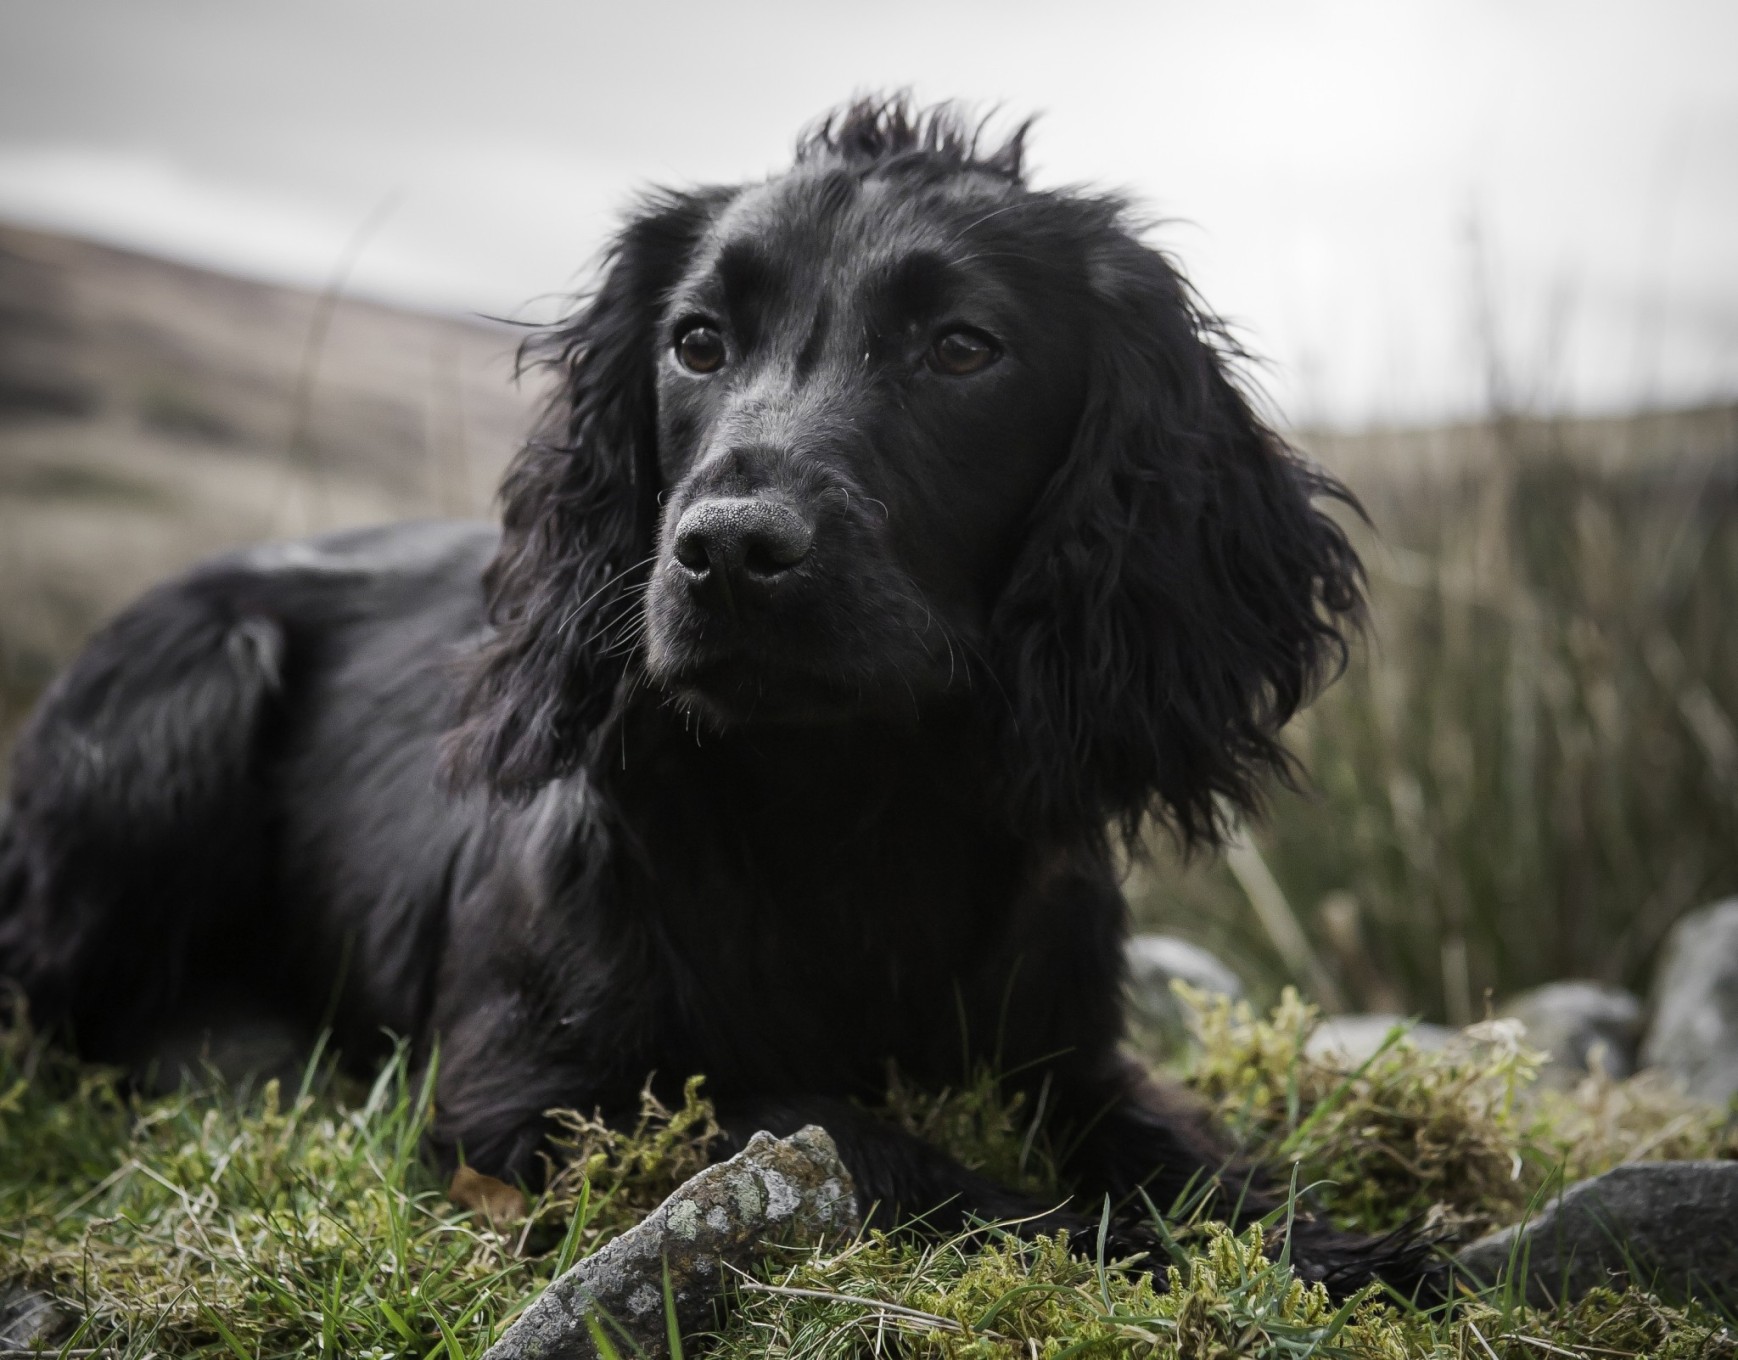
(897,434)
(861,392)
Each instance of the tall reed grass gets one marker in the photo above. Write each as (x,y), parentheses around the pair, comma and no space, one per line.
(1530,769)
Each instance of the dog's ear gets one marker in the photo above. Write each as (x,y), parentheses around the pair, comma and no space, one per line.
(579,511)
(1180,594)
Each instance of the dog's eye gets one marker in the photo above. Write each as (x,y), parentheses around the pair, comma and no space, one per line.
(700,349)
(960,352)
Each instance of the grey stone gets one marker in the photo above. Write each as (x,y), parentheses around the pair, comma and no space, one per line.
(1671,1227)
(1348,1040)
(28,1319)
(1154,962)
(1578,1025)
(1694,1035)
(794,1190)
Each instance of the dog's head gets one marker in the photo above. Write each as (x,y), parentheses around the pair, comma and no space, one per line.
(891,433)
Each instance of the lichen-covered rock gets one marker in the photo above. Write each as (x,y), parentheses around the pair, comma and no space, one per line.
(792,1190)
(1154,963)
(1348,1040)
(27,1319)
(1667,1226)
(1579,1025)
(1694,1035)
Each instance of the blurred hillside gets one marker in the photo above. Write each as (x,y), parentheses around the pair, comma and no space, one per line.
(151,413)
(1529,771)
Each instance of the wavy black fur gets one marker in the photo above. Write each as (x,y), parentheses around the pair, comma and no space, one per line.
(626,789)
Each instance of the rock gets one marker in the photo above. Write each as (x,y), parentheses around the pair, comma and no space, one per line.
(795,1190)
(1348,1040)
(1578,1025)
(1694,1035)
(1154,962)
(28,1320)
(1671,1227)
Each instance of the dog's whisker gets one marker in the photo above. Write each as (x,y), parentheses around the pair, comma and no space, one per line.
(614,577)
(625,616)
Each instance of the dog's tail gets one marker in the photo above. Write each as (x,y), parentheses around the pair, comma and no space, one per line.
(132,823)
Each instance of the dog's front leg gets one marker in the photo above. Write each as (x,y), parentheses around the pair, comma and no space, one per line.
(1135,1141)
(503,1067)
(495,1118)
(1127,1135)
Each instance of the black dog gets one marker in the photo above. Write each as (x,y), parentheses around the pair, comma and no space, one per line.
(896,540)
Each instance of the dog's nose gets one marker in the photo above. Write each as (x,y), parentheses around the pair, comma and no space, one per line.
(741,537)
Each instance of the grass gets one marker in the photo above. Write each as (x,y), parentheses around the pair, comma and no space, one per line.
(260,1222)
(255,1223)
(1530,771)
(1008,1299)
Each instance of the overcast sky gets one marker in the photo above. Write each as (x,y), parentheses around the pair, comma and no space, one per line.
(1367,189)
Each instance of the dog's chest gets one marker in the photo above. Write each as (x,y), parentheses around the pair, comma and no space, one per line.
(810,950)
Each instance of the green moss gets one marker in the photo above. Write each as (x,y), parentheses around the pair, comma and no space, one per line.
(1407,1134)
(1004,1298)
(973,1297)
(1462,1138)
(620,1175)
